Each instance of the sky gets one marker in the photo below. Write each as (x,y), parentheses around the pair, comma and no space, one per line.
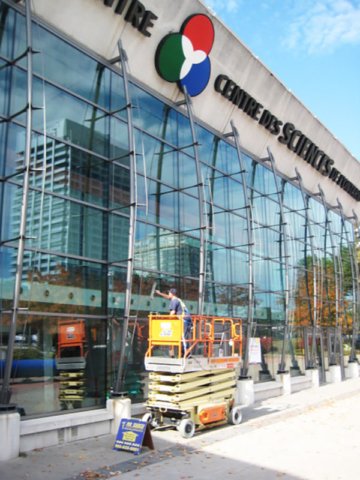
(313,48)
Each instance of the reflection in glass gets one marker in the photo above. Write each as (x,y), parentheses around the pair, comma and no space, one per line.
(78,224)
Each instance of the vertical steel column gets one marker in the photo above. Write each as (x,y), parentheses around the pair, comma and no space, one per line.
(355,287)
(159,185)
(200,184)
(310,363)
(209,260)
(5,394)
(249,226)
(338,278)
(283,232)
(132,222)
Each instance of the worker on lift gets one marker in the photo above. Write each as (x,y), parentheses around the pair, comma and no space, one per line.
(192,393)
(178,307)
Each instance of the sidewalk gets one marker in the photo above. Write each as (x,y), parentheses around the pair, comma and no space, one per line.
(95,458)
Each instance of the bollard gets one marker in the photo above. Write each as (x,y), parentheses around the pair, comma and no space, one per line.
(333,375)
(313,374)
(352,370)
(245,394)
(9,432)
(121,408)
(285,380)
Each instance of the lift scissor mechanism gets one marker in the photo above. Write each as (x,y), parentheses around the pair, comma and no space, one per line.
(192,381)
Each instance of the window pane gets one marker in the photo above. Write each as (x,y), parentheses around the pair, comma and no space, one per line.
(40,382)
(12,33)
(65,65)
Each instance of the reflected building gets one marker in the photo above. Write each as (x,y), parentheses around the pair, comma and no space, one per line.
(165,251)
(55,225)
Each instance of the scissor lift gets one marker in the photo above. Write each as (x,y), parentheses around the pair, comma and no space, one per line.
(192,382)
(71,361)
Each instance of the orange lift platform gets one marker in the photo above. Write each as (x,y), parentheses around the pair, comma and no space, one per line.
(192,381)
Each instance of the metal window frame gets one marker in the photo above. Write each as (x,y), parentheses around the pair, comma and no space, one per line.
(355,284)
(120,380)
(5,394)
(285,256)
(334,334)
(337,269)
(310,361)
(200,186)
(249,222)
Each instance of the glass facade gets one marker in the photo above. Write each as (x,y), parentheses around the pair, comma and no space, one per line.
(189,196)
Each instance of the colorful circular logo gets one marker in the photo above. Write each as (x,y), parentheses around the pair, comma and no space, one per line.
(183,57)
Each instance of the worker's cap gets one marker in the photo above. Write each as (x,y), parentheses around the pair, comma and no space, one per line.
(173,291)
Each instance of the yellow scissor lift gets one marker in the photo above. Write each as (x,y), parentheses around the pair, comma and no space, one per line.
(192,382)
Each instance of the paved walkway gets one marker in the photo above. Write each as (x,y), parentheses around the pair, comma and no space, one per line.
(309,435)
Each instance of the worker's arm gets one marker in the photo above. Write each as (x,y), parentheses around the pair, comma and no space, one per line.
(165,295)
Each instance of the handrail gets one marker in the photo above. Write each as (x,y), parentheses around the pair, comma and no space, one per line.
(210,337)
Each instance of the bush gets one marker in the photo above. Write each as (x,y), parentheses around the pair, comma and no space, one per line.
(27,353)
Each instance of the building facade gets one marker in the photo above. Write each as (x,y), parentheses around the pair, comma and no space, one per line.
(145,145)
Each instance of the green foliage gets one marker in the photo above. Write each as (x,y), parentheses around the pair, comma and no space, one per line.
(30,353)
